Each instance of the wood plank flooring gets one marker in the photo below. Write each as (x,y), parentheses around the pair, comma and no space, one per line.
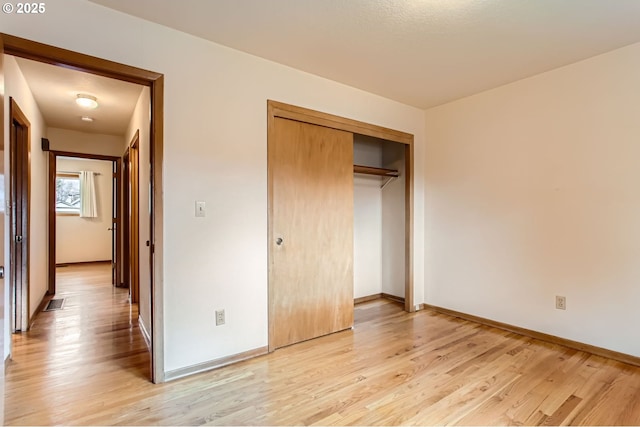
(88,365)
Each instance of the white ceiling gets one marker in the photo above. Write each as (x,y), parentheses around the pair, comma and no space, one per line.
(419,52)
(55,90)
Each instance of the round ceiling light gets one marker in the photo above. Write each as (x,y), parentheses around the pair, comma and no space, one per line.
(86,101)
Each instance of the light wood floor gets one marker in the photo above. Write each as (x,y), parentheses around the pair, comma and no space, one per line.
(88,364)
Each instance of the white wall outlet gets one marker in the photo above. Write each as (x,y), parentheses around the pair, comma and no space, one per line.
(201,208)
(219,317)
(561,302)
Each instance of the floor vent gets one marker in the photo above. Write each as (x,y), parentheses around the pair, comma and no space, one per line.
(54,304)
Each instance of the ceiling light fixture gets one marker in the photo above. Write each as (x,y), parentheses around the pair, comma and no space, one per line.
(86,119)
(87,101)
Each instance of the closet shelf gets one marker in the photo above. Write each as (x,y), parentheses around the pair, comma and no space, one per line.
(392,173)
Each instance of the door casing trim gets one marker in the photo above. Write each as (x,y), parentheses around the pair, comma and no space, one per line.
(16,46)
(51,211)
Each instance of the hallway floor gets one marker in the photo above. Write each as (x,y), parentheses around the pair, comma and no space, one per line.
(76,354)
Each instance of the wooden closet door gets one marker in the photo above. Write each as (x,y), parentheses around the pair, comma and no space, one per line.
(311,247)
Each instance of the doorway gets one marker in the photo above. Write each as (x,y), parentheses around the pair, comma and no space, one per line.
(23,48)
(73,237)
(131,218)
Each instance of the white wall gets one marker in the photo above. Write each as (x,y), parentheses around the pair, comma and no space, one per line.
(533,191)
(16,87)
(86,239)
(215,150)
(87,143)
(140,121)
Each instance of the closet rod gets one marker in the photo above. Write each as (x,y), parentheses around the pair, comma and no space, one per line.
(375,171)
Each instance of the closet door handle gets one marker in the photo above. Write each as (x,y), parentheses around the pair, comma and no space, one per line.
(279,241)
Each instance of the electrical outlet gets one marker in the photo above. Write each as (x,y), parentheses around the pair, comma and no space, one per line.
(219,317)
(561,302)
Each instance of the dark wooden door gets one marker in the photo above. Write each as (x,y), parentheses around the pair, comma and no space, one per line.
(19,267)
(131,220)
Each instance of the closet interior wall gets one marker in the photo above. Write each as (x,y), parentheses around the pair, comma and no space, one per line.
(379,220)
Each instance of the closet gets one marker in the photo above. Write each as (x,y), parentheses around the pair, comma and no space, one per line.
(315,235)
(379,219)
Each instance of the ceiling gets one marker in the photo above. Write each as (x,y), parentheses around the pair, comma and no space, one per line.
(55,90)
(418,52)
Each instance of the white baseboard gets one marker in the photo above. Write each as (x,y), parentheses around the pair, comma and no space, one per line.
(145,333)
(213,364)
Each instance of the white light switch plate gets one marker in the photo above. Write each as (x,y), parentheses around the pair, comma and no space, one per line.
(201,209)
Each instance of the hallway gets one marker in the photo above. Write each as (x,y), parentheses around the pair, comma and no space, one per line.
(76,353)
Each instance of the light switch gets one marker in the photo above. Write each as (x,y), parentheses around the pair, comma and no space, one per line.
(201,208)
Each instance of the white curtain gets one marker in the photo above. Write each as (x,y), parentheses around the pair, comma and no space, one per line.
(88,204)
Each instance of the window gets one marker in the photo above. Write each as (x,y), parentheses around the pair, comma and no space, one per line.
(67,194)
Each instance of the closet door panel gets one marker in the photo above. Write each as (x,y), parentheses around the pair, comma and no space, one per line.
(311,248)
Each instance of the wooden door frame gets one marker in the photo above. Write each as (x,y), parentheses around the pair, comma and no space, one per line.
(16,46)
(131,203)
(305,115)
(116,222)
(51,212)
(125,198)
(16,115)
